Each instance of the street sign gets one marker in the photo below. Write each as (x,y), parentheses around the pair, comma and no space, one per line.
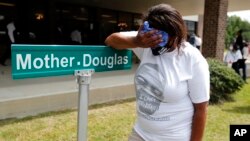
(30,61)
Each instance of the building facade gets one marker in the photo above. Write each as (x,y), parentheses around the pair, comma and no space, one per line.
(52,22)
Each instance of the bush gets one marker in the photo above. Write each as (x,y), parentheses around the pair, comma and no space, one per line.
(224,81)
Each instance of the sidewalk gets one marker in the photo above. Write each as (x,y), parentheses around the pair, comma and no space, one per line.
(19,98)
(32,96)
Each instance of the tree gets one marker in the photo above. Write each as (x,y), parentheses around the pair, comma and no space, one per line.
(234,24)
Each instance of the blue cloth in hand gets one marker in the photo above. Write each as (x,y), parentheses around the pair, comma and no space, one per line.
(164,34)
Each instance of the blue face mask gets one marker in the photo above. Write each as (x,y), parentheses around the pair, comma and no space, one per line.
(161,48)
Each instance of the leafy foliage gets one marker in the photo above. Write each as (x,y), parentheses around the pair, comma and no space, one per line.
(224,81)
(234,24)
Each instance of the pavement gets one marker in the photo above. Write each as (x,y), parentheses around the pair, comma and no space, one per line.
(16,89)
(24,97)
(36,95)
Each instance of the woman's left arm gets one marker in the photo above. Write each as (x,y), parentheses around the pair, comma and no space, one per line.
(199,121)
(199,91)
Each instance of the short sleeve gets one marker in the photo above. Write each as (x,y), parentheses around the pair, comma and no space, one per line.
(138,52)
(228,58)
(199,84)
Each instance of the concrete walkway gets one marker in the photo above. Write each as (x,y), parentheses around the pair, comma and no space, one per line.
(23,97)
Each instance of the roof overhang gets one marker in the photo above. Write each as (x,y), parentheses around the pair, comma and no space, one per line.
(186,7)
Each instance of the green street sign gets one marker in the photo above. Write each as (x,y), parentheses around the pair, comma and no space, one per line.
(30,61)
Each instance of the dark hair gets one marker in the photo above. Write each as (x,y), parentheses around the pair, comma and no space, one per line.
(166,18)
(235,47)
(240,31)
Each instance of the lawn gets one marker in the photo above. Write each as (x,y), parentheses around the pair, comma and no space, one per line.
(113,122)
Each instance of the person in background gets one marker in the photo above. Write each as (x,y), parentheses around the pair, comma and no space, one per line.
(11,40)
(198,42)
(232,57)
(192,39)
(245,50)
(76,36)
(11,28)
(243,65)
(242,61)
(172,87)
(239,40)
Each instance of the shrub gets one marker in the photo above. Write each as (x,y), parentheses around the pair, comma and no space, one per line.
(224,81)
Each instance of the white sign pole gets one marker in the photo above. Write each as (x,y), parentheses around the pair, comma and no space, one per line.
(83,79)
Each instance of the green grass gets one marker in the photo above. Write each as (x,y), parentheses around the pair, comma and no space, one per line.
(220,117)
(113,122)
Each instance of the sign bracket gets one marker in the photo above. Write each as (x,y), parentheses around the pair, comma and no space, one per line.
(83,80)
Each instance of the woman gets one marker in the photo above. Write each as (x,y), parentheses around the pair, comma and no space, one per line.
(232,57)
(172,88)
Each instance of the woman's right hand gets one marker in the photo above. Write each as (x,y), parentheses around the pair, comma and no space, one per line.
(147,39)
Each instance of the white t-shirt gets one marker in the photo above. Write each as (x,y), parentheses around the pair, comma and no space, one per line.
(232,57)
(166,88)
(76,36)
(198,41)
(11,28)
(245,52)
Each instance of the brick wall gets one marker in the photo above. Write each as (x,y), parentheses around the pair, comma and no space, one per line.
(215,20)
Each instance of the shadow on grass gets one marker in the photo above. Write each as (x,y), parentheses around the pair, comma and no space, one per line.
(56,113)
(242,110)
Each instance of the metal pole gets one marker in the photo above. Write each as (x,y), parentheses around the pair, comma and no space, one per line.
(83,79)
